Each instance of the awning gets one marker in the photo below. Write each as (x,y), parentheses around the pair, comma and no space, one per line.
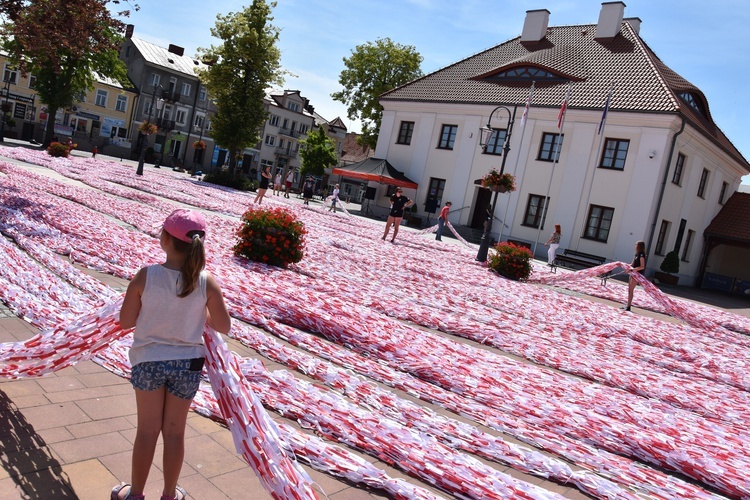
(375,170)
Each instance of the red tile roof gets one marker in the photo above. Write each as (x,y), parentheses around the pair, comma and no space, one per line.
(351,152)
(642,82)
(733,220)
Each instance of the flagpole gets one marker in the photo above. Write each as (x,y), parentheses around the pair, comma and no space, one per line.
(524,117)
(602,124)
(545,203)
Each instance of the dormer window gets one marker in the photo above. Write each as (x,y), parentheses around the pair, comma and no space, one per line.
(523,73)
(694,102)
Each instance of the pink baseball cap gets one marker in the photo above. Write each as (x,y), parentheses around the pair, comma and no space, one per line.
(183,224)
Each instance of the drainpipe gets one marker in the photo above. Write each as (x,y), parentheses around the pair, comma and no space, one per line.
(663,186)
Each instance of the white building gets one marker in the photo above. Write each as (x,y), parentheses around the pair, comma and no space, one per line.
(659,171)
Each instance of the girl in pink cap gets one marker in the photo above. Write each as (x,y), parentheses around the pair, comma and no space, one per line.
(169,304)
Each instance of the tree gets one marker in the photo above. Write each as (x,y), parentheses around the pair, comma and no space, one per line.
(373,69)
(64,44)
(239,72)
(318,151)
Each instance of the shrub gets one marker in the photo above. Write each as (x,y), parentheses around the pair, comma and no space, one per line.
(58,149)
(271,236)
(511,261)
(225,178)
(671,263)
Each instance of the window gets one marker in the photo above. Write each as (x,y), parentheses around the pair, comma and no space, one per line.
(615,152)
(497,141)
(598,223)
(447,136)
(433,202)
(185,89)
(155,79)
(678,168)
(680,234)
(10,75)
(271,140)
(172,84)
(266,163)
(181,116)
(199,120)
(122,103)
(302,128)
(535,211)
(405,132)
(32,81)
(702,185)
(274,120)
(723,192)
(550,148)
(202,94)
(101,97)
(688,245)
(694,102)
(293,106)
(663,233)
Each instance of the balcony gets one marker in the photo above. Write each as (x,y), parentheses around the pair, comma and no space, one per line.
(164,125)
(171,96)
(286,152)
(288,132)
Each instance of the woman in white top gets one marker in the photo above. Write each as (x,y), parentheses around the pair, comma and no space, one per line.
(169,304)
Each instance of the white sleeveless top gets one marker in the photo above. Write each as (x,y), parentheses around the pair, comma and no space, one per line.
(169,327)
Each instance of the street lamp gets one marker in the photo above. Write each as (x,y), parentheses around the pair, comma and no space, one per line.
(485,135)
(5,105)
(144,142)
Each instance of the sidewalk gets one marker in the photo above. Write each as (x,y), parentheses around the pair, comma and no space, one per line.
(70,434)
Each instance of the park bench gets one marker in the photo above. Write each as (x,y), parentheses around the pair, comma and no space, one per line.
(575,260)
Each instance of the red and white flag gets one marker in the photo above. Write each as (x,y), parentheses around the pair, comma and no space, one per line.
(563,109)
(528,105)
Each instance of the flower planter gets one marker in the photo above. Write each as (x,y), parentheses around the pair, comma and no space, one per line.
(667,279)
(498,189)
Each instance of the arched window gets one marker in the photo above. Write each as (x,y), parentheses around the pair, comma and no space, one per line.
(694,102)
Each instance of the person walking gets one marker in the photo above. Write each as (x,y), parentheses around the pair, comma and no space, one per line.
(289,182)
(638,265)
(442,219)
(307,189)
(334,198)
(554,244)
(277,184)
(265,177)
(169,305)
(94,150)
(399,202)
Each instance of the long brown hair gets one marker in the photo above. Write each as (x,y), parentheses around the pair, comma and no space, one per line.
(640,247)
(195,261)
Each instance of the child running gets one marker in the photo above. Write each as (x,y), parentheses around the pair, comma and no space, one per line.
(169,304)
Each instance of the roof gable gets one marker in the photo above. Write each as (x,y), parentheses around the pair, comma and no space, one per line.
(733,220)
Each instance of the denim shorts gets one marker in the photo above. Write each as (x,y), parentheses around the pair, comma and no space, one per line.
(180,376)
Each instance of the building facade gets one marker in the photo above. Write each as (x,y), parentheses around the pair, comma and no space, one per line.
(171,96)
(654,167)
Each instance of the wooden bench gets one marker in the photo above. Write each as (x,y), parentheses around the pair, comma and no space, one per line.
(575,260)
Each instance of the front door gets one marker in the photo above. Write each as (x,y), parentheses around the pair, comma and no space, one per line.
(480,208)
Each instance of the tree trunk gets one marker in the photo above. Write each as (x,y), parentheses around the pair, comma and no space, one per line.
(49,133)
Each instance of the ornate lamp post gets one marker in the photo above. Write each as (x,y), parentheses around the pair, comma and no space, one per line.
(485,135)
(4,106)
(144,142)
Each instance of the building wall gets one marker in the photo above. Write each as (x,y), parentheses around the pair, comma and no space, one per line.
(574,183)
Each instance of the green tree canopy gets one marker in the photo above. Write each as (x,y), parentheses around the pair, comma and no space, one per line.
(372,69)
(64,44)
(240,70)
(318,151)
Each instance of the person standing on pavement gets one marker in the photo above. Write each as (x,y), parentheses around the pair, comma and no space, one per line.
(554,244)
(442,219)
(289,182)
(399,203)
(169,305)
(334,198)
(265,177)
(638,265)
(307,189)
(277,184)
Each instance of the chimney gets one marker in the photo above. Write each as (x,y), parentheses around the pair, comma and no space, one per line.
(535,25)
(635,23)
(610,19)
(129,30)
(176,49)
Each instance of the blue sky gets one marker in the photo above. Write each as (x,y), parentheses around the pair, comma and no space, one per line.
(703,42)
